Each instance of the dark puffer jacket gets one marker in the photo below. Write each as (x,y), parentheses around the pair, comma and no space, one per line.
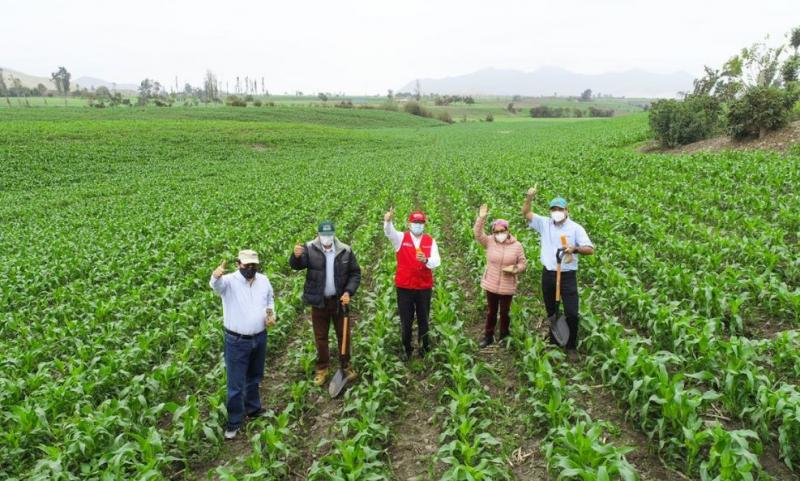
(346,272)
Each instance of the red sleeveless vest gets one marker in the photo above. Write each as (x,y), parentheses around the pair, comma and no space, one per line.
(411,273)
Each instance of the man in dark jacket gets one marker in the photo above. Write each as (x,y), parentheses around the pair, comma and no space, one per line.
(332,276)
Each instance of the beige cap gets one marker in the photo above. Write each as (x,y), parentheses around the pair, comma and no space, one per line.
(248,256)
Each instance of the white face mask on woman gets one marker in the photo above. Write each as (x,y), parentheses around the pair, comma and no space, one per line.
(501,237)
(558,215)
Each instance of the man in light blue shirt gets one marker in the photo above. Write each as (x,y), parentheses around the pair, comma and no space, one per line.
(248,308)
(560,235)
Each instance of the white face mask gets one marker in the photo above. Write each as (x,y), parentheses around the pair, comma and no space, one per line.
(417,228)
(558,215)
(501,237)
(326,240)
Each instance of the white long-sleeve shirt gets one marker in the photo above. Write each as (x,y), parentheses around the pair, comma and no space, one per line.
(396,237)
(244,306)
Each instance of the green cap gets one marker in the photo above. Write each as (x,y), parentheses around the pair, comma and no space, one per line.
(325,228)
(558,202)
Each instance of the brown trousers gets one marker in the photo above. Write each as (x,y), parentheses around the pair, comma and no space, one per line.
(321,319)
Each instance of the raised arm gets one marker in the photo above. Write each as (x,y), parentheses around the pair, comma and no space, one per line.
(218,282)
(391,233)
(299,258)
(526,207)
(480,223)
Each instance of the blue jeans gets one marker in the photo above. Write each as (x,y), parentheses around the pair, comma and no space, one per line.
(244,363)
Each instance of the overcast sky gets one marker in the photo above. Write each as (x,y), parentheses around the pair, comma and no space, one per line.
(373,45)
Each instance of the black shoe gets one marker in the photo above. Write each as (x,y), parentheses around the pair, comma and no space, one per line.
(423,352)
(258,414)
(573,356)
(504,341)
(231,432)
(487,340)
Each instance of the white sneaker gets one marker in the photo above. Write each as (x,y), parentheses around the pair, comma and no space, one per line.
(231,433)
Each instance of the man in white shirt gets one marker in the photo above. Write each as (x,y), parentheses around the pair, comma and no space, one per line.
(417,257)
(248,308)
(558,231)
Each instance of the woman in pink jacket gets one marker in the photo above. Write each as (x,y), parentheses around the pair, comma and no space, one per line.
(505,260)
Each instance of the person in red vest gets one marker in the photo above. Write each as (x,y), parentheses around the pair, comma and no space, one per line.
(417,257)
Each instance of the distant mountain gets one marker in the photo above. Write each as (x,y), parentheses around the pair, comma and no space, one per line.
(29,81)
(32,81)
(550,80)
(91,82)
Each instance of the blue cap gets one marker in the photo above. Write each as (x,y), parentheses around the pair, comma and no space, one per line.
(558,202)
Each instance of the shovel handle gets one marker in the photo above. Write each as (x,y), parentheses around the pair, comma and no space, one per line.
(344,334)
(345,328)
(559,258)
(558,282)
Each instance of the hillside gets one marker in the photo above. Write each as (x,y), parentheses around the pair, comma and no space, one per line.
(550,80)
(783,140)
(31,81)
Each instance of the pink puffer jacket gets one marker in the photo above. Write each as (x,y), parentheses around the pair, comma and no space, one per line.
(509,253)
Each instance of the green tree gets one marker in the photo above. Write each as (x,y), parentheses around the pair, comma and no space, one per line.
(102,92)
(586,96)
(145,91)
(3,88)
(210,87)
(676,122)
(61,77)
(794,39)
(759,110)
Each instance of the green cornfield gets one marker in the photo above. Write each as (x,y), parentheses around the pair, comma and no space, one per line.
(113,220)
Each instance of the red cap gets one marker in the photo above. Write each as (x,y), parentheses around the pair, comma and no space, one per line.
(417,216)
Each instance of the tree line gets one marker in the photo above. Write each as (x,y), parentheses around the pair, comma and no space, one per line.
(754,92)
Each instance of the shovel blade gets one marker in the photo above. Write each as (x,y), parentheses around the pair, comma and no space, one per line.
(559,330)
(338,383)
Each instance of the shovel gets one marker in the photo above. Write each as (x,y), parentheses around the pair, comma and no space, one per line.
(339,380)
(559,328)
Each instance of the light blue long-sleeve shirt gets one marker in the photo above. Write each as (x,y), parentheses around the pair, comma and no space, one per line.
(551,240)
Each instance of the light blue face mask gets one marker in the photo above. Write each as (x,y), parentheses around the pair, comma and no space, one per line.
(417,228)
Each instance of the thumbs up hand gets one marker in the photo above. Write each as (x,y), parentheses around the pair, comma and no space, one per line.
(389,215)
(298,250)
(219,270)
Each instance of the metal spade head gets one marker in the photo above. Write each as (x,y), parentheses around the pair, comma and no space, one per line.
(338,383)
(560,330)
(339,380)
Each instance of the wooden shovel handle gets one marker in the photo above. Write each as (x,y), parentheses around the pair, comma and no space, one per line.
(558,282)
(558,270)
(345,322)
